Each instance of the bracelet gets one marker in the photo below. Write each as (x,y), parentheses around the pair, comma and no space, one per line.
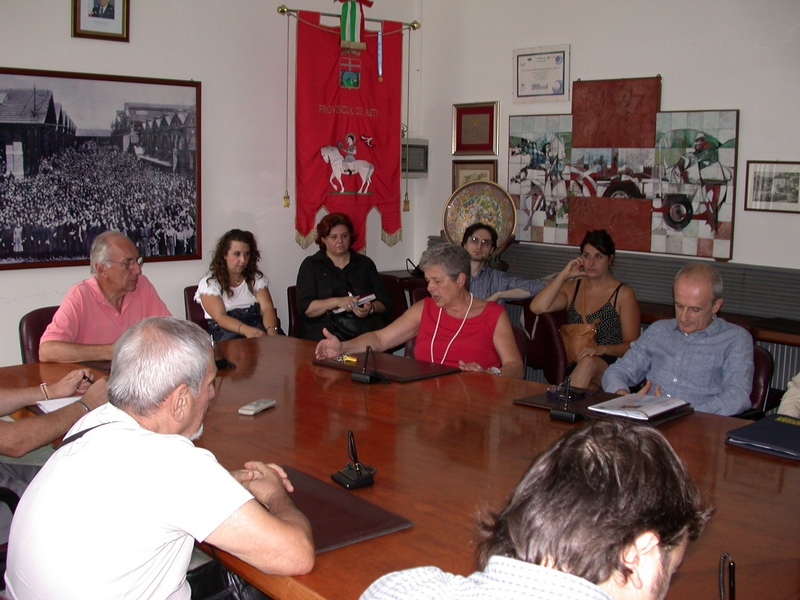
(268,327)
(494,371)
(83,404)
(43,387)
(239,328)
(371,310)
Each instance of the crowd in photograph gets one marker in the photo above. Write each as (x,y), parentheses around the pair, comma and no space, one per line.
(84,191)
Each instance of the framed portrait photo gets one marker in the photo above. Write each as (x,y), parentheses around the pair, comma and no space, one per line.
(773,186)
(84,153)
(101,19)
(475,128)
(467,171)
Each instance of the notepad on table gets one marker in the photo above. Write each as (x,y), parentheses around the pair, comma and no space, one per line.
(48,406)
(638,406)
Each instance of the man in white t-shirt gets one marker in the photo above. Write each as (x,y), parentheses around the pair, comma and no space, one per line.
(115,511)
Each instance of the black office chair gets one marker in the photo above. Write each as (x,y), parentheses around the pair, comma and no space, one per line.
(9,498)
(545,349)
(194,312)
(294,314)
(398,295)
(31,328)
(416,293)
(414,285)
(762,375)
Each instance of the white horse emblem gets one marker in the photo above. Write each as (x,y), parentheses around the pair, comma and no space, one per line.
(331,155)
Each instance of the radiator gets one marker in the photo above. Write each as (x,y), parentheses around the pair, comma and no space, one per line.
(787,363)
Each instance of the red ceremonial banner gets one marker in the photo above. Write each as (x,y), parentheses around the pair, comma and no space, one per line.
(347,128)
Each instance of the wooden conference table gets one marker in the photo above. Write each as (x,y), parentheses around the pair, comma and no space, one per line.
(448,447)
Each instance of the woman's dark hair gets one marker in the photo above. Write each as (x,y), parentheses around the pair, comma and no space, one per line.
(600,239)
(219,269)
(330,221)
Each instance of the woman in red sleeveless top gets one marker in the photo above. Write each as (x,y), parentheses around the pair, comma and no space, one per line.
(452,327)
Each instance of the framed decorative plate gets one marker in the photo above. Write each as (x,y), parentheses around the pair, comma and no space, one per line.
(482,201)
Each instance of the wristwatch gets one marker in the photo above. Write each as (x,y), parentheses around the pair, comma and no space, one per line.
(493,371)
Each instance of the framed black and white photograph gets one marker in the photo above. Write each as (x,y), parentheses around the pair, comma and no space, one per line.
(81,154)
(773,186)
(101,19)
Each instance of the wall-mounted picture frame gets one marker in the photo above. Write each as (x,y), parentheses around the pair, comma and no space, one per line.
(82,153)
(475,128)
(773,186)
(101,19)
(467,171)
(541,74)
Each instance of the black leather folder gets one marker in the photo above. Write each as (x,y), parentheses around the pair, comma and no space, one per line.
(339,517)
(774,434)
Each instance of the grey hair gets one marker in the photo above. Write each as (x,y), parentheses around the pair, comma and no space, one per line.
(153,358)
(101,248)
(453,259)
(705,271)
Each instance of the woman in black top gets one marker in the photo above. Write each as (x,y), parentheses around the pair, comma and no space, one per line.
(586,287)
(331,281)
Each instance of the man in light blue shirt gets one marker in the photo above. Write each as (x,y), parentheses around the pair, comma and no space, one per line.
(480,240)
(696,357)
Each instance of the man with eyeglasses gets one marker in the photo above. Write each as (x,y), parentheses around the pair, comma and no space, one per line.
(96,311)
(480,240)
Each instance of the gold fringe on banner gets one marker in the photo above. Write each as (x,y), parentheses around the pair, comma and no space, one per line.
(304,241)
(390,239)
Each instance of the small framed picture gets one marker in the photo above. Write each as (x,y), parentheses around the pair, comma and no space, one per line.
(467,171)
(773,186)
(101,19)
(475,128)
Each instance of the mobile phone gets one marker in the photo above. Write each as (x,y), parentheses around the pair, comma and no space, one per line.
(364,299)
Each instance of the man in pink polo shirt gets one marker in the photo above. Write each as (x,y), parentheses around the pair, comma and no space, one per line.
(96,311)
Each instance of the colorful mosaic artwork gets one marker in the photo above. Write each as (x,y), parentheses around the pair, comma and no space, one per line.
(685,181)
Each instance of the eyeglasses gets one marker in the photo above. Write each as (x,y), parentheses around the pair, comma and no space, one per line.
(477,240)
(128,264)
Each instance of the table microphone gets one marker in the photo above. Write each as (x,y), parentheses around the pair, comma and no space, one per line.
(364,377)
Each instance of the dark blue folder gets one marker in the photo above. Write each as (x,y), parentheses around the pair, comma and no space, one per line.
(774,434)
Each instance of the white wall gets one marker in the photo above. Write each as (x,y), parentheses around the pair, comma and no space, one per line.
(240,58)
(711,55)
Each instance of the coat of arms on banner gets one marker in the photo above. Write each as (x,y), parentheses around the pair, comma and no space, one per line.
(347,125)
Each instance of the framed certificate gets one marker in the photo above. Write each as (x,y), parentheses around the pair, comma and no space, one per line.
(475,128)
(541,74)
